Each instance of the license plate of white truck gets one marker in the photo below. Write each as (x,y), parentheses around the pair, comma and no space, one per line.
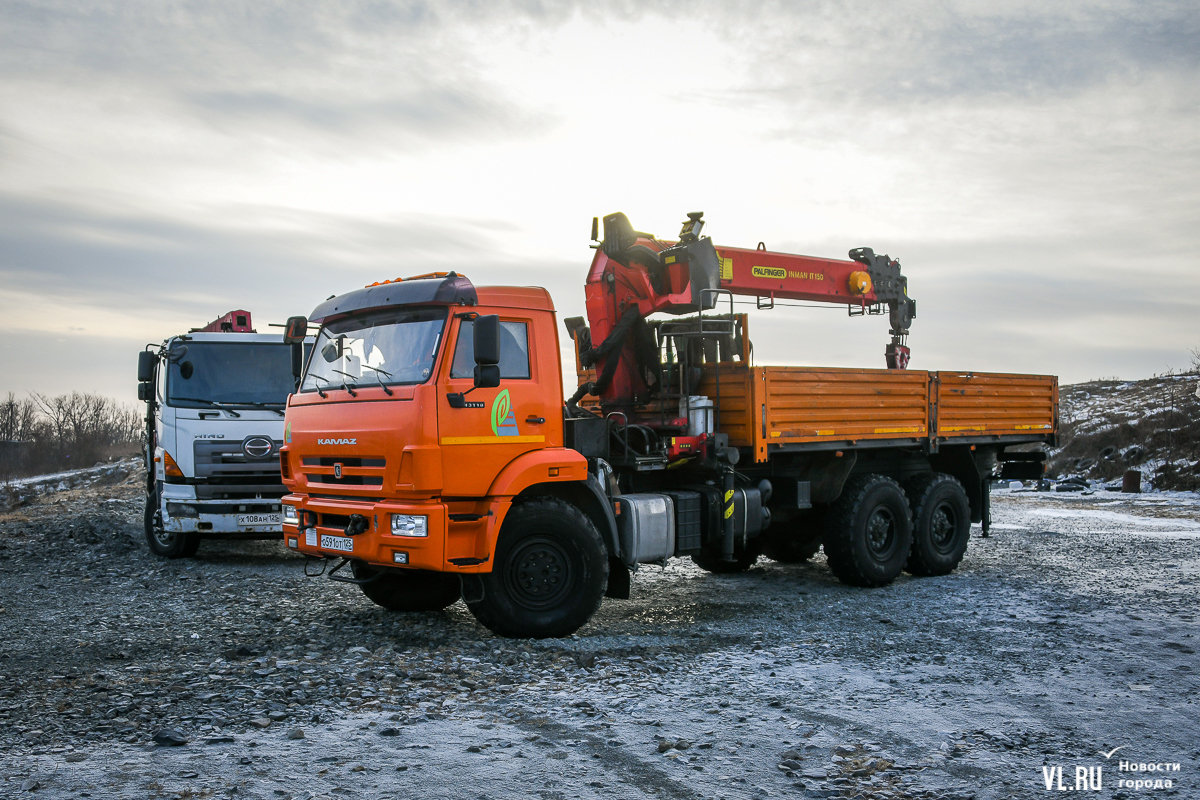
(343,543)
(258,519)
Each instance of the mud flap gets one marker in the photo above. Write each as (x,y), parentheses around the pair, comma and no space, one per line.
(472,588)
(618,580)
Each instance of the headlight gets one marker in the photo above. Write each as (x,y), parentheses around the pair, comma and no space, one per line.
(290,517)
(409,525)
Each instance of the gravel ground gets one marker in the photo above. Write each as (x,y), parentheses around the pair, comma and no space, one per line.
(1069,632)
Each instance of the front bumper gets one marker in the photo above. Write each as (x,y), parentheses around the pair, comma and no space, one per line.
(251,517)
(375,545)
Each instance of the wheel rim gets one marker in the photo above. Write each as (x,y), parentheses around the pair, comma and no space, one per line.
(943,525)
(881,533)
(539,573)
(165,538)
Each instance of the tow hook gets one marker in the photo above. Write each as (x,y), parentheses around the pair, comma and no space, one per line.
(356,525)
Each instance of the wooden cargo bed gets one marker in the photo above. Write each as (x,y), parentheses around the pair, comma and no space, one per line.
(773,409)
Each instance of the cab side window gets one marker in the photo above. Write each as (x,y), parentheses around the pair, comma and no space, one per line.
(514,351)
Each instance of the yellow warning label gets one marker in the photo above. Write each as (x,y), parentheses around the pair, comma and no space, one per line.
(669,260)
(728,495)
(778,273)
(726,269)
(899,430)
(729,512)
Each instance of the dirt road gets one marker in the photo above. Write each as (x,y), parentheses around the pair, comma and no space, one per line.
(1068,633)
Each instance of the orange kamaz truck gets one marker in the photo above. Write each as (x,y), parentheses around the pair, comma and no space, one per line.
(431,454)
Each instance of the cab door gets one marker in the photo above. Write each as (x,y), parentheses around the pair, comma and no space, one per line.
(499,424)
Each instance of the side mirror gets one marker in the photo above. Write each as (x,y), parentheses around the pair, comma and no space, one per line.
(145,391)
(147,361)
(487,376)
(176,354)
(295,329)
(487,340)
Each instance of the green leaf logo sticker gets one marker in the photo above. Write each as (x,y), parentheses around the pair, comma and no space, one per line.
(504,421)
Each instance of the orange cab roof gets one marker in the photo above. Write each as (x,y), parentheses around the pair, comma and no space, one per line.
(534,297)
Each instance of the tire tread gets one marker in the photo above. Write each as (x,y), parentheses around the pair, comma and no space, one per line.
(839,550)
(919,490)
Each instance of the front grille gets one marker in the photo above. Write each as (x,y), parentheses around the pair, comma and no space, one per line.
(329,461)
(346,480)
(219,460)
(262,489)
(356,471)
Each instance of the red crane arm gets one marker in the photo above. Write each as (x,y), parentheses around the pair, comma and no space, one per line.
(634,270)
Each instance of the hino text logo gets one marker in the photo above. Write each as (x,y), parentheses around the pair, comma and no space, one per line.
(337,441)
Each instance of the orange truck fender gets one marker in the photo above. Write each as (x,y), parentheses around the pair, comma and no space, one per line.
(561,472)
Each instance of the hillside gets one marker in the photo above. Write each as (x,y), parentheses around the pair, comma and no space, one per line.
(1152,425)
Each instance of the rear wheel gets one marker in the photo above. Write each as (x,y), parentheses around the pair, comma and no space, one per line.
(408,589)
(549,574)
(868,532)
(167,544)
(941,524)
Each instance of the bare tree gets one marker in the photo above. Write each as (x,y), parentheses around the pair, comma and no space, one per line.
(46,434)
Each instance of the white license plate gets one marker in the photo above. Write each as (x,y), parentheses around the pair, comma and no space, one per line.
(342,543)
(259,519)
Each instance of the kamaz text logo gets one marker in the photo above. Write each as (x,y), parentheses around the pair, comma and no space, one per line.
(337,441)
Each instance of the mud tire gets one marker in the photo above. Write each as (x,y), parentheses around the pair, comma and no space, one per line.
(408,590)
(162,543)
(549,574)
(941,524)
(868,532)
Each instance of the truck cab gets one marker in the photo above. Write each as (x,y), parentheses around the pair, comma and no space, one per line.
(406,445)
(215,402)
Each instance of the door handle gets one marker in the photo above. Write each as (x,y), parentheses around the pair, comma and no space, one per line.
(534,420)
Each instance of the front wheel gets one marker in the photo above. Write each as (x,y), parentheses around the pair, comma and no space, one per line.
(868,532)
(549,573)
(941,524)
(167,544)
(407,589)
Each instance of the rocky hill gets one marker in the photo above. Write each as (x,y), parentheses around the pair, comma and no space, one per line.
(1152,425)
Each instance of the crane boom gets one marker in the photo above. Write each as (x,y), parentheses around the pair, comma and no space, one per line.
(634,275)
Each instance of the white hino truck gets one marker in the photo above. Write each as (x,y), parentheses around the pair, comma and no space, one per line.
(214,425)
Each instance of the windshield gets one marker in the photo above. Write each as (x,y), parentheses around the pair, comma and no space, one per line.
(242,374)
(390,347)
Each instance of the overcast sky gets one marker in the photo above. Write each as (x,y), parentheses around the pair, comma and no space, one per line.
(1035,166)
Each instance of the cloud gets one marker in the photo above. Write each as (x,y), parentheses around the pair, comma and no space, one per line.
(1032,165)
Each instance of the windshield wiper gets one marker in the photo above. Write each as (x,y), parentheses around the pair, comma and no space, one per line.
(379,372)
(319,378)
(349,387)
(276,407)
(212,403)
